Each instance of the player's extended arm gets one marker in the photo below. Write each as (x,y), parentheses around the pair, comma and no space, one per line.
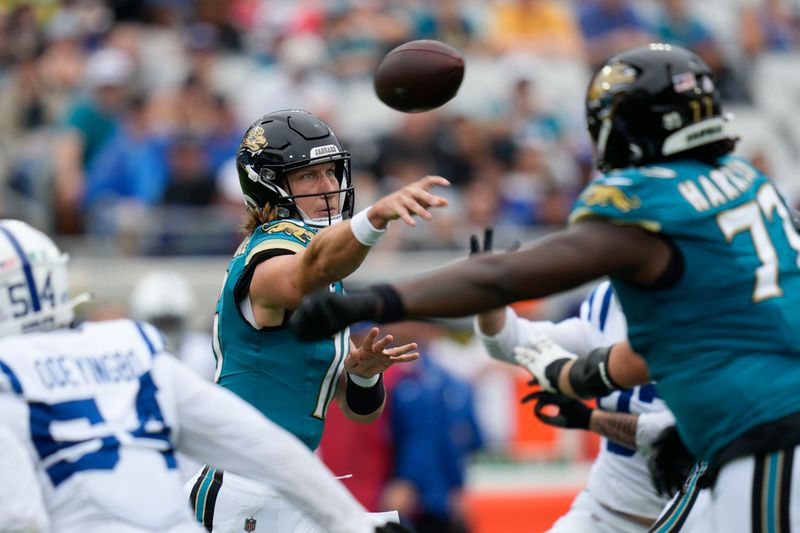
(626,369)
(600,372)
(574,414)
(338,250)
(217,427)
(634,430)
(619,427)
(501,335)
(584,252)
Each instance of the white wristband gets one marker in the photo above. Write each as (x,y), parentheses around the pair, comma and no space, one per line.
(364,383)
(363,230)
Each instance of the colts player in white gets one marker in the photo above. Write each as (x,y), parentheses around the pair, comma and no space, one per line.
(101,410)
(619,496)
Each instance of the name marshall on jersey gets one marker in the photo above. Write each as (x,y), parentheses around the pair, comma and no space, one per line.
(109,368)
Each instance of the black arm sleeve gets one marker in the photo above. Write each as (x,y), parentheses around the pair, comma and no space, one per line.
(589,375)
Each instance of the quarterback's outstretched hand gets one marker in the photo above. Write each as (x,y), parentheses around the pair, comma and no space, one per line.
(373,356)
(323,313)
(544,359)
(413,199)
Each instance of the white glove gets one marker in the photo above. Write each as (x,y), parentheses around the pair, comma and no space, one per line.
(541,353)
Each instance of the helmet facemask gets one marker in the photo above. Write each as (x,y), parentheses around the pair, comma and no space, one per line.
(288,207)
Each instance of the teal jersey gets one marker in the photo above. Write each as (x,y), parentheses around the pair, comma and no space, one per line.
(290,382)
(723,341)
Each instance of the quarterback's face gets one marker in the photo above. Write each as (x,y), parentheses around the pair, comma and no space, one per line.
(318,180)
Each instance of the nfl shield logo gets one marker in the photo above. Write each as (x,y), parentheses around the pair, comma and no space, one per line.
(250,524)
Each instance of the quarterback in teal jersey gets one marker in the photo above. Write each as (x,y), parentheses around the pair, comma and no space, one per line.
(703,256)
(301,237)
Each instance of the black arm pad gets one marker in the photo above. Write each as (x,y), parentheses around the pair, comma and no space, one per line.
(363,401)
(589,375)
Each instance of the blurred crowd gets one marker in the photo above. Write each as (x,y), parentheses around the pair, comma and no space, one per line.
(119,119)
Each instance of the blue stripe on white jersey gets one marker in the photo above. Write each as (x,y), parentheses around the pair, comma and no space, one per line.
(146,340)
(26,268)
(12,379)
(606,303)
(588,303)
(596,307)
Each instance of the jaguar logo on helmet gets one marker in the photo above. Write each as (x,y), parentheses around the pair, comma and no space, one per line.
(255,140)
(609,78)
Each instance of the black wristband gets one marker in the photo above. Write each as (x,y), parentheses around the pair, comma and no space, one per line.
(363,401)
(392,305)
(589,375)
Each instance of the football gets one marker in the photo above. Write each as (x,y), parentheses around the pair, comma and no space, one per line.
(419,76)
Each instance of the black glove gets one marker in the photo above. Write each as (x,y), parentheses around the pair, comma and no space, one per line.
(671,463)
(323,313)
(488,242)
(392,527)
(572,413)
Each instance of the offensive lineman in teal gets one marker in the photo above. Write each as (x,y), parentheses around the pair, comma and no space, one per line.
(703,256)
(296,179)
(716,217)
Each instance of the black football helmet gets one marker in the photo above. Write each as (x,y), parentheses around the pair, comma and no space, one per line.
(649,103)
(283,141)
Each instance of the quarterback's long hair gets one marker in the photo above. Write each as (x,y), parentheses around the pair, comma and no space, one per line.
(253,218)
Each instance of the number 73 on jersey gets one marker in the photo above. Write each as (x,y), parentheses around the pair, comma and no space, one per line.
(753,216)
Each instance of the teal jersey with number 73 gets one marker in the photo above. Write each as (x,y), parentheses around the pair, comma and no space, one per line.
(723,342)
(290,382)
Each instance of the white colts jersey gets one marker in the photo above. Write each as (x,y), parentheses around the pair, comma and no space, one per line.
(97,424)
(619,478)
